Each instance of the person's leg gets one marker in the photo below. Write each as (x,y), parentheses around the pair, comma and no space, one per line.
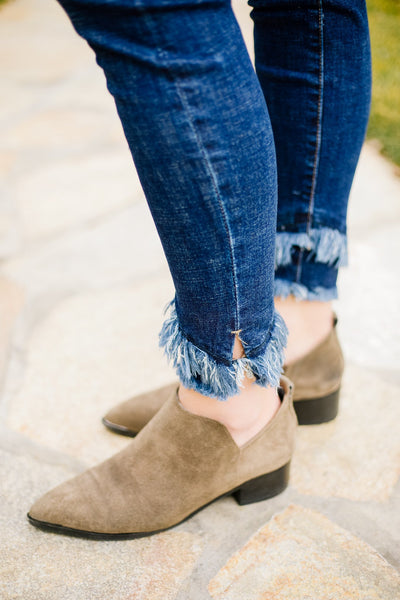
(313,63)
(198,128)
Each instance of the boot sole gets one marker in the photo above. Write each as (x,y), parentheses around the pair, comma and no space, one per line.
(120,429)
(255,490)
(317,410)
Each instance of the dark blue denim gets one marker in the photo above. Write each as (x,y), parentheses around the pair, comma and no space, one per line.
(197,124)
(314,66)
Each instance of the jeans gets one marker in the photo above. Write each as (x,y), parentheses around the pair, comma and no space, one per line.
(213,141)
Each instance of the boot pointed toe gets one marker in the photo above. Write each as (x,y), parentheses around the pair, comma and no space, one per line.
(179,463)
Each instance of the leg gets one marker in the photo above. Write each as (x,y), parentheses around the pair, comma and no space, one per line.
(199,132)
(313,63)
(198,128)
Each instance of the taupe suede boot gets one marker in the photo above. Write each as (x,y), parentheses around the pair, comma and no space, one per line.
(179,463)
(316,378)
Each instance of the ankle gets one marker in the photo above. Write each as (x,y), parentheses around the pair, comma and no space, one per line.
(309,323)
(244,414)
(258,407)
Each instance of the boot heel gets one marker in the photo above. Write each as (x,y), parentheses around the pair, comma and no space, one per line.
(317,410)
(263,487)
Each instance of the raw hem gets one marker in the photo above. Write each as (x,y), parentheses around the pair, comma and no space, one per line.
(284,288)
(325,245)
(198,370)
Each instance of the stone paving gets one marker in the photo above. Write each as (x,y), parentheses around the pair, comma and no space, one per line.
(82,285)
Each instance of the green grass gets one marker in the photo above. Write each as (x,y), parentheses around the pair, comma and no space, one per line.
(384,124)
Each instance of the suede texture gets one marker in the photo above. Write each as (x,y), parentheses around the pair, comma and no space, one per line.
(178,463)
(319,373)
(133,414)
(316,375)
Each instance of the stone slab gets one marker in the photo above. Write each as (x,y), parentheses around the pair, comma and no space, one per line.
(35,565)
(10,234)
(357,456)
(72,192)
(37,26)
(374,201)
(92,351)
(10,231)
(7,160)
(58,128)
(16,102)
(301,554)
(369,294)
(123,247)
(11,302)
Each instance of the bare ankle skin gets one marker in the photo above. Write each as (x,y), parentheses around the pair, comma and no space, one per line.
(309,322)
(244,414)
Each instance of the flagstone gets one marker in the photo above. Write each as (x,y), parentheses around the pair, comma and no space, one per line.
(11,302)
(301,554)
(36,565)
(77,190)
(357,455)
(93,350)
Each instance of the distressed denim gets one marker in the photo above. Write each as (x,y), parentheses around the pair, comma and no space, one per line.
(211,158)
(314,66)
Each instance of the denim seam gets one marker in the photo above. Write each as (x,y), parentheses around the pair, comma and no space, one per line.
(318,133)
(265,340)
(319,115)
(218,196)
(186,106)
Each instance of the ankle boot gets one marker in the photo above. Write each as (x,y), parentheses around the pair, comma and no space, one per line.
(178,464)
(316,378)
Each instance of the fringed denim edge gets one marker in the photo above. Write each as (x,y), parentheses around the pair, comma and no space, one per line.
(284,288)
(200,371)
(327,246)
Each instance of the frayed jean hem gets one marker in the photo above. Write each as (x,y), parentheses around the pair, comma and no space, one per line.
(284,288)
(324,245)
(199,371)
